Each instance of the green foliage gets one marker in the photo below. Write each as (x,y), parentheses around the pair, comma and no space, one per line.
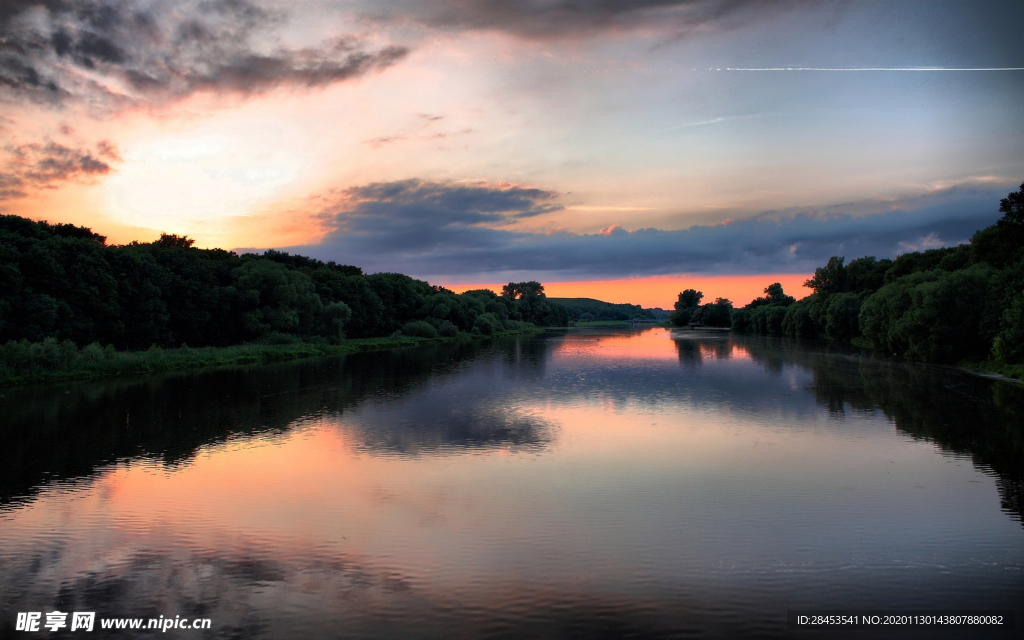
(689,299)
(275,299)
(1003,243)
(866,274)
(798,321)
(533,306)
(921,261)
(740,320)
(91,354)
(334,317)
(829,279)
(934,316)
(686,307)
(419,329)
(765,315)
(486,323)
(766,319)
(775,296)
(334,284)
(1008,346)
(841,317)
(681,317)
(22,361)
(172,240)
(953,304)
(714,314)
(63,282)
(447,330)
(589,310)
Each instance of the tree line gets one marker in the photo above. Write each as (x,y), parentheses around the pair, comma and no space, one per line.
(948,305)
(64,284)
(689,310)
(589,310)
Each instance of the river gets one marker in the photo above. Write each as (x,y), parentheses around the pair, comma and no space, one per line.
(582,483)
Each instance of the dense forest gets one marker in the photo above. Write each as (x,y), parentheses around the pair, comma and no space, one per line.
(590,310)
(949,305)
(65,285)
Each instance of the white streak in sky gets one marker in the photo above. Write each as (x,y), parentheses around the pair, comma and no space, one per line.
(875,69)
(718,120)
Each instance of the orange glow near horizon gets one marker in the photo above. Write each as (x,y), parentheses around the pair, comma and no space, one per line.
(662,291)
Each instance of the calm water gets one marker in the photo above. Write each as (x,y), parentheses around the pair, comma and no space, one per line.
(582,484)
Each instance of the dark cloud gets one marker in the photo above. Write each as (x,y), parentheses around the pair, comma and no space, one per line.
(48,165)
(117,52)
(417,216)
(463,232)
(546,18)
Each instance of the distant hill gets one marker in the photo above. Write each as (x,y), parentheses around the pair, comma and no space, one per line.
(587,309)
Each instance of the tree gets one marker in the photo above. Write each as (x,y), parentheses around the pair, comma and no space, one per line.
(333,320)
(1012,208)
(276,299)
(171,240)
(1002,244)
(841,323)
(775,296)
(534,306)
(798,322)
(689,299)
(933,316)
(829,279)
(685,306)
(520,290)
(715,314)
(1008,346)
(866,274)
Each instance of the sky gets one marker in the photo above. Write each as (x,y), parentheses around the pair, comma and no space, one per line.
(614,149)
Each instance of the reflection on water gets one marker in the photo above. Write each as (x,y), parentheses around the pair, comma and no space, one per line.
(577,484)
(67,432)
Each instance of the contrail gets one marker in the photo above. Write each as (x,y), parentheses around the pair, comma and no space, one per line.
(874,69)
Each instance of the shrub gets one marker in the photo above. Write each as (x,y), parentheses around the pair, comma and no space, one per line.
(278,338)
(419,329)
(92,353)
(486,323)
(17,355)
(447,329)
(47,354)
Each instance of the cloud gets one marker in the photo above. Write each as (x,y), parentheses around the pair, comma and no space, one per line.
(458,232)
(423,216)
(124,52)
(555,18)
(47,165)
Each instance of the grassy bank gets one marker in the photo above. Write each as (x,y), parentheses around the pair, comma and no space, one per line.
(50,361)
(603,323)
(1014,371)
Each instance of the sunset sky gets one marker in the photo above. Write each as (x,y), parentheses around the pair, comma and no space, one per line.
(628,148)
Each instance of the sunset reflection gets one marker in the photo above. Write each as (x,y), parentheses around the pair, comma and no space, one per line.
(592,474)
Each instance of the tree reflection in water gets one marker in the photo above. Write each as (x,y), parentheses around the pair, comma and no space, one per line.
(960,412)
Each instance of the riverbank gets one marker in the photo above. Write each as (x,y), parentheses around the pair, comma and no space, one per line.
(23,364)
(1012,372)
